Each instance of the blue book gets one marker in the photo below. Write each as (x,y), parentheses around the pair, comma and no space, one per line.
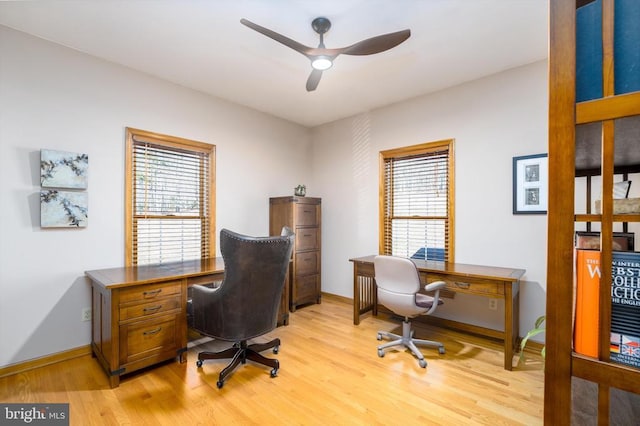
(626,48)
(589,51)
(625,308)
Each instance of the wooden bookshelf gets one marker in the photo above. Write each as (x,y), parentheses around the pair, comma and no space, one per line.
(606,113)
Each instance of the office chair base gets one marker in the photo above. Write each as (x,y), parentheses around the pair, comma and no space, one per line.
(239,353)
(408,342)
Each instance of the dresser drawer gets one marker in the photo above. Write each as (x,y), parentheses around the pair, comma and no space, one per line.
(307,263)
(307,238)
(143,339)
(156,306)
(307,288)
(306,215)
(150,291)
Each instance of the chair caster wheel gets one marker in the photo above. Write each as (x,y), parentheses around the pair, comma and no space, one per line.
(441,350)
(274,372)
(379,336)
(380,353)
(422,363)
(199,363)
(276,349)
(219,384)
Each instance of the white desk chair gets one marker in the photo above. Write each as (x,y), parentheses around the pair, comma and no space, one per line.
(398,283)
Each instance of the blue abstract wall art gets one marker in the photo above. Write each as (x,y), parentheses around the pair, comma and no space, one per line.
(60,169)
(63,209)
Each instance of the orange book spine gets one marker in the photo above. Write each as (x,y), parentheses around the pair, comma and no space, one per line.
(585,333)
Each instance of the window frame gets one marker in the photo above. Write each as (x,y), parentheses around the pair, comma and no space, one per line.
(411,151)
(133,135)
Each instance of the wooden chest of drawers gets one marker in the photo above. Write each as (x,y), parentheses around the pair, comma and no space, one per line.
(303,216)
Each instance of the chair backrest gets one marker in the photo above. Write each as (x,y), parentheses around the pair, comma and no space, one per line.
(398,281)
(397,274)
(246,303)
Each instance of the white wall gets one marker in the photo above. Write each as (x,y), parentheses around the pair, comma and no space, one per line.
(55,98)
(492,120)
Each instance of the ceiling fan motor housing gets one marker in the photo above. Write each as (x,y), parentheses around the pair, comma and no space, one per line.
(321,25)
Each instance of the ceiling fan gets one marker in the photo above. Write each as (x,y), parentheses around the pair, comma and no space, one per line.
(322,58)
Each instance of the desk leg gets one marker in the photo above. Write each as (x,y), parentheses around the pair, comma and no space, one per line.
(364,291)
(511,323)
(356,295)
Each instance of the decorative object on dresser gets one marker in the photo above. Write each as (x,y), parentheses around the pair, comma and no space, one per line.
(303,215)
(300,190)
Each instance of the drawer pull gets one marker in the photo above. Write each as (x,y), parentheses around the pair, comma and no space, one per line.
(152,309)
(308,211)
(462,285)
(306,235)
(152,293)
(151,332)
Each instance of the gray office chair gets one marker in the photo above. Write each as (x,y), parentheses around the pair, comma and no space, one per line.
(398,283)
(245,305)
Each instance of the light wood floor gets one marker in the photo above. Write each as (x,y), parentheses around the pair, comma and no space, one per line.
(330,373)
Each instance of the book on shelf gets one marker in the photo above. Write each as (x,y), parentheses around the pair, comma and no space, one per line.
(625,308)
(625,50)
(585,331)
(589,51)
(625,305)
(622,241)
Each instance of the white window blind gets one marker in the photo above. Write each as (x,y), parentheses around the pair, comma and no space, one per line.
(416,216)
(170,213)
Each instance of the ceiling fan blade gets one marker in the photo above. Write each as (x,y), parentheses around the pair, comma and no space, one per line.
(313,80)
(298,47)
(376,44)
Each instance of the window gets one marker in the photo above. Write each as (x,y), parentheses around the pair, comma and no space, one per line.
(416,204)
(170,187)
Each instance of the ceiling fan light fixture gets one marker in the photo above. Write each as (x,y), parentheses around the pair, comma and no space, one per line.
(321,63)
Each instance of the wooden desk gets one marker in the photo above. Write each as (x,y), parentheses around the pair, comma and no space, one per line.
(139,314)
(487,281)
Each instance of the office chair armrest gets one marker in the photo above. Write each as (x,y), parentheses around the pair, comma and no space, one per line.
(203,297)
(436,285)
(204,290)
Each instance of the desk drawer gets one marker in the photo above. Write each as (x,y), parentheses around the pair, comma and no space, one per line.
(150,291)
(469,285)
(150,308)
(211,280)
(147,338)
(307,238)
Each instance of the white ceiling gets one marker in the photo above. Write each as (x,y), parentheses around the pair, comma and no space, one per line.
(201,44)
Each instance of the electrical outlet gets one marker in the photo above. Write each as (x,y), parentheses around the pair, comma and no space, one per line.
(86,314)
(493,304)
